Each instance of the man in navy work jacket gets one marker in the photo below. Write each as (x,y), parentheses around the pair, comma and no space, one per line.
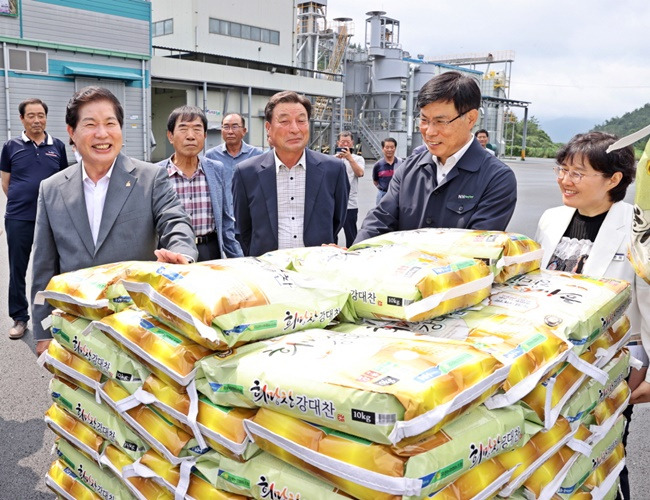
(290,196)
(200,185)
(25,162)
(455,183)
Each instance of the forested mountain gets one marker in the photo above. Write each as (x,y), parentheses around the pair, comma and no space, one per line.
(628,123)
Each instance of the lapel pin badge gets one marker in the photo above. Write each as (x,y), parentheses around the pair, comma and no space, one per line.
(128,183)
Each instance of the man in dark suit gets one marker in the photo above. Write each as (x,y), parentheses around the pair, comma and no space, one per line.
(456,182)
(291,196)
(200,184)
(107,208)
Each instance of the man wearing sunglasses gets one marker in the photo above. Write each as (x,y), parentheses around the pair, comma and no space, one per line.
(455,182)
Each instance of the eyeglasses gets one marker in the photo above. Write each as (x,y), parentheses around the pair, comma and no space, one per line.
(234,128)
(575,177)
(424,123)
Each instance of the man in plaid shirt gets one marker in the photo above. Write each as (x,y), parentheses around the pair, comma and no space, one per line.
(200,185)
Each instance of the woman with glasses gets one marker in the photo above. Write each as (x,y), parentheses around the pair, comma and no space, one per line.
(590,235)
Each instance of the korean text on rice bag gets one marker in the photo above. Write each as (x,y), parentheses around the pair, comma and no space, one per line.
(531,350)
(263,477)
(234,301)
(75,432)
(62,480)
(100,480)
(99,350)
(604,478)
(398,282)
(380,388)
(574,306)
(91,293)
(102,419)
(170,355)
(416,466)
(507,254)
(68,366)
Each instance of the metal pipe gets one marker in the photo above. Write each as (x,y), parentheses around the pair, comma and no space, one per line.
(145,118)
(523,135)
(250,106)
(409,108)
(5,53)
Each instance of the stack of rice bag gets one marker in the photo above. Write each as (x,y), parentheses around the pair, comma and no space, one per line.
(429,363)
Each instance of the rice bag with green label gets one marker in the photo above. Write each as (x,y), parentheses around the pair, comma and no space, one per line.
(575,307)
(507,254)
(379,388)
(585,465)
(639,253)
(530,350)
(68,366)
(592,392)
(99,417)
(103,482)
(606,413)
(91,293)
(414,468)
(483,481)
(62,480)
(263,477)
(234,301)
(75,432)
(602,481)
(99,350)
(169,354)
(398,282)
(161,431)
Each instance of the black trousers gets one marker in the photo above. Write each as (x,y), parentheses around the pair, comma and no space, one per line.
(20,236)
(209,250)
(350,226)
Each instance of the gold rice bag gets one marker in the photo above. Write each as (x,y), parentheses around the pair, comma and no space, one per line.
(585,465)
(525,460)
(102,481)
(507,254)
(62,480)
(68,366)
(380,388)
(604,477)
(170,356)
(162,432)
(413,468)
(141,487)
(91,293)
(99,417)
(575,307)
(234,301)
(197,488)
(397,282)
(531,350)
(75,432)
(98,350)
(264,477)
(483,482)
(639,253)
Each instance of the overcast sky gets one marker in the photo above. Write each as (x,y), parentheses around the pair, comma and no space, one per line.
(586,59)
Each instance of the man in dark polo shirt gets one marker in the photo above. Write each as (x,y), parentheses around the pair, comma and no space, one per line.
(25,161)
(383,170)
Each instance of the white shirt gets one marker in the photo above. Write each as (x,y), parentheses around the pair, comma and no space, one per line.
(353,179)
(290,185)
(443,170)
(95,195)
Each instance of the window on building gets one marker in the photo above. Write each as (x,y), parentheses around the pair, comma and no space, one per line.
(31,61)
(160,28)
(245,31)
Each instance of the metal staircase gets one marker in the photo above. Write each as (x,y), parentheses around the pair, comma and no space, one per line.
(369,137)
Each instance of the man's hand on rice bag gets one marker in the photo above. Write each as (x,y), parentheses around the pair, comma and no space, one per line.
(641,394)
(41,346)
(164,255)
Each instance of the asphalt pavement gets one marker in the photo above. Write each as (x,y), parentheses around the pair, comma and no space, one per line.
(26,444)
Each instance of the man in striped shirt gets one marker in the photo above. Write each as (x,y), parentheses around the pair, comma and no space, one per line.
(200,185)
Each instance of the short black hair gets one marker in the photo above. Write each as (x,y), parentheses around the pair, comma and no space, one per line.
(451,86)
(481,131)
(186,113)
(592,146)
(87,95)
(344,133)
(388,139)
(241,117)
(27,102)
(286,96)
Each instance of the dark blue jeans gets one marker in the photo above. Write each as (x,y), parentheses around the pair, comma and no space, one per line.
(350,226)
(20,236)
